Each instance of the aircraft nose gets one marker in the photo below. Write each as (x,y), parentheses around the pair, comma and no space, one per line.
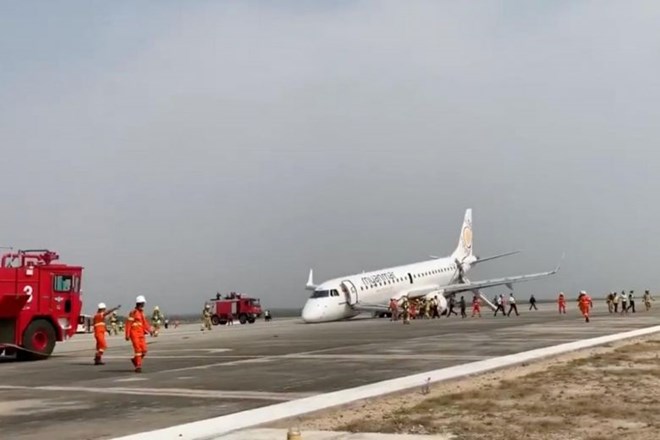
(313,311)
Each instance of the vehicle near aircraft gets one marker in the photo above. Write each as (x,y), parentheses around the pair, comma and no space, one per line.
(40,303)
(85,324)
(348,296)
(237,306)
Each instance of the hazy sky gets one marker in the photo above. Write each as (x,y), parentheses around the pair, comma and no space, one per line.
(179,148)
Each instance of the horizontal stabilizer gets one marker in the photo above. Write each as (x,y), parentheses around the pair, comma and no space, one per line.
(493,257)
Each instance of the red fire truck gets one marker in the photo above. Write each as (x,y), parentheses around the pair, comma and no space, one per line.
(238,306)
(40,302)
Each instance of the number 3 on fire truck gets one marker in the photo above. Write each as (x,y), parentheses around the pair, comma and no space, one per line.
(28,290)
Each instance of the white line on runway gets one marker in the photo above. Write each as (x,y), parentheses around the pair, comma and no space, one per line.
(173,392)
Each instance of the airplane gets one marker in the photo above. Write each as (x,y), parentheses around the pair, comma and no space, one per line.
(348,296)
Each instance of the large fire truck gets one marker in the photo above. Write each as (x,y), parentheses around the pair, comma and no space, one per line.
(40,303)
(236,306)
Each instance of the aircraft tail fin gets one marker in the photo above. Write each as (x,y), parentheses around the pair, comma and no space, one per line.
(310,281)
(464,248)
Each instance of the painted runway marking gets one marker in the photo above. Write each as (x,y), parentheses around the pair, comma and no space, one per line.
(172,392)
(366,357)
(131,379)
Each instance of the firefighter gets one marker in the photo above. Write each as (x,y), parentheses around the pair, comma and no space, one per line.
(394,309)
(647,300)
(585,304)
(114,323)
(476,306)
(561,302)
(206,318)
(405,306)
(137,327)
(99,332)
(156,320)
(610,302)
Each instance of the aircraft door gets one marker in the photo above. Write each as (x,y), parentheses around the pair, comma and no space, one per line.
(350,292)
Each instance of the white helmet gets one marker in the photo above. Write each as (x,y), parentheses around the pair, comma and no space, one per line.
(140,300)
(101,306)
(156,308)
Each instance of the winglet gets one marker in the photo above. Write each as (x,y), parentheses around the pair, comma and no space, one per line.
(560,262)
(310,281)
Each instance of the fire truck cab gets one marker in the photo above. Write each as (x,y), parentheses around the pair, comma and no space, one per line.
(236,306)
(40,302)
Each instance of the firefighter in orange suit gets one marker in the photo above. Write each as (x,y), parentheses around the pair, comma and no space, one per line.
(476,306)
(561,301)
(99,332)
(137,327)
(585,304)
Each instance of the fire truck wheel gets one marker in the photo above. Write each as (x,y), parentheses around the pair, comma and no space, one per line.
(242,318)
(215,320)
(39,337)
(251,319)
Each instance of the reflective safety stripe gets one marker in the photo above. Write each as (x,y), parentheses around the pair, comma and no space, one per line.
(130,318)
(99,323)
(137,324)
(137,353)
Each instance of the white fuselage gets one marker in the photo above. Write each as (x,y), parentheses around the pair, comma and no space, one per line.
(334,299)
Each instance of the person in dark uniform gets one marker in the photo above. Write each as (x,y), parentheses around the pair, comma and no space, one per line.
(499,302)
(512,305)
(463,306)
(631,302)
(452,304)
(532,303)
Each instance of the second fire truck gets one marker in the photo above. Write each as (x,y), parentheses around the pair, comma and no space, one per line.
(237,306)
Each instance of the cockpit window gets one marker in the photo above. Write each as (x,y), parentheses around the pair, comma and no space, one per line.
(320,294)
(334,293)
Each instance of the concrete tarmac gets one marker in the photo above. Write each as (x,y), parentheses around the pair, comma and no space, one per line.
(191,375)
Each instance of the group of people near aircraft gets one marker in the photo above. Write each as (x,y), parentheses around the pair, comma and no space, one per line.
(627,301)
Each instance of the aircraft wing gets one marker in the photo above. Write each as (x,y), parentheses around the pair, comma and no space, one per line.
(423,291)
(507,281)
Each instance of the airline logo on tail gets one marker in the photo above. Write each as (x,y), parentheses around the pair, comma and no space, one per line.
(467,238)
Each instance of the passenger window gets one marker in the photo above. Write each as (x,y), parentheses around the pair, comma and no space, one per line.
(62,283)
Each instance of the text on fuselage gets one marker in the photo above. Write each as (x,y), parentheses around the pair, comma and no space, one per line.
(379,278)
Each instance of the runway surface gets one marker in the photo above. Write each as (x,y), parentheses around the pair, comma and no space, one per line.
(191,375)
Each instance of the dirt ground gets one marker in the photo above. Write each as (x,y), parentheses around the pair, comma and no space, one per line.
(603,393)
